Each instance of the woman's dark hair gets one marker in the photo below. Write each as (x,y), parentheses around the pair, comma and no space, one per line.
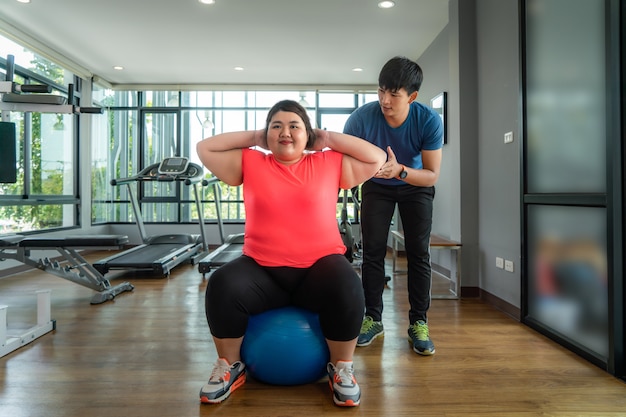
(400,72)
(292,107)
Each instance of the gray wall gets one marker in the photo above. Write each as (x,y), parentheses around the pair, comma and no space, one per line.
(476,60)
(499,104)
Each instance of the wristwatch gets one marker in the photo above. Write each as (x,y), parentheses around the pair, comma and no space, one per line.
(403,173)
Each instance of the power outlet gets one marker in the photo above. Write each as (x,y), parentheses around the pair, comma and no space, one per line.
(508,137)
(508,266)
(499,262)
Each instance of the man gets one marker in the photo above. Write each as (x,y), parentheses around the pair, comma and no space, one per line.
(412,135)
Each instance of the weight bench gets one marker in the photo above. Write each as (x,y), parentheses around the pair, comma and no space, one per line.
(9,343)
(440,243)
(76,268)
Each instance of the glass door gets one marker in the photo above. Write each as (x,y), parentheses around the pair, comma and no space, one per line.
(571,182)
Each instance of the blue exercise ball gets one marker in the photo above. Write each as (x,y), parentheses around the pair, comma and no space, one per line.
(285,346)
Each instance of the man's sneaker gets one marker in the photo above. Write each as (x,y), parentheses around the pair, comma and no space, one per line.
(370,330)
(224,379)
(418,335)
(345,389)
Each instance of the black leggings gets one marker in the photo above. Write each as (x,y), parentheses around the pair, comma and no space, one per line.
(242,287)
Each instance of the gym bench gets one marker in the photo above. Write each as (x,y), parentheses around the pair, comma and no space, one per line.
(75,268)
(441,243)
(9,343)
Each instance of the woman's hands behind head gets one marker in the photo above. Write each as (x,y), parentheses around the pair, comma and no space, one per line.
(321,140)
(260,139)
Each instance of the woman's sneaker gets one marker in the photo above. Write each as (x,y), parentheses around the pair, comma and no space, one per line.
(419,337)
(224,379)
(345,389)
(370,330)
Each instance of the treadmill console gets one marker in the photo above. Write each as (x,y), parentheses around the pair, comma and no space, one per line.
(174,166)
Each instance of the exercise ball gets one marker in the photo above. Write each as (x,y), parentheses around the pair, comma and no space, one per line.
(285,346)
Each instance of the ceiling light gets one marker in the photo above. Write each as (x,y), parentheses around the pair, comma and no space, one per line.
(118,67)
(23,1)
(238,68)
(172,101)
(207,123)
(357,69)
(386,4)
(303,101)
(207,1)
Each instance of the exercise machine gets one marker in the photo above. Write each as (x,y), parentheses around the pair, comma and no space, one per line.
(353,248)
(15,97)
(231,246)
(36,97)
(160,254)
(73,267)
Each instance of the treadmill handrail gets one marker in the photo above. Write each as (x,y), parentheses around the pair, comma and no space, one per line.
(193,175)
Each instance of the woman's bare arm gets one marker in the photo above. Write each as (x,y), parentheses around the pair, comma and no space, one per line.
(221,154)
(361,159)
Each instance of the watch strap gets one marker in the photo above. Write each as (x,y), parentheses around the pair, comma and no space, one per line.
(399,177)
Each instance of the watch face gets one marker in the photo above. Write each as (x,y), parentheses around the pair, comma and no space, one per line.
(403,174)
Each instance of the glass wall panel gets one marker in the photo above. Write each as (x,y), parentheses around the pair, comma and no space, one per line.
(16,219)
(103,97)
(231,121)
(114,155)
(334,121)
(33,62)
(197,99)
(256,119)
(196,125)
(366,98)
(566,96)
(160,138)
(267,99)
(232,99)
(53,154)
(21,55)
(568,273)
(161,212)
(160,99)
(337,100)
(38,216)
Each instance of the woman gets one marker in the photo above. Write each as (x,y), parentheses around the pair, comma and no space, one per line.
(292,252)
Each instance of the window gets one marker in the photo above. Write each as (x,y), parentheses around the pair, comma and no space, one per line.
(171,123)
(45,194)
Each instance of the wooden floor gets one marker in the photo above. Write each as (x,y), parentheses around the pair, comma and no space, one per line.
(147,353)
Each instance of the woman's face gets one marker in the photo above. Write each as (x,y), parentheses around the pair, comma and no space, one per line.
(287,137)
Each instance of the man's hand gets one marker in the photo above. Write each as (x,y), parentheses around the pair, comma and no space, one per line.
(391,168)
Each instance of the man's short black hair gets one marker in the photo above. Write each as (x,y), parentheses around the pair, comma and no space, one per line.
(401,72)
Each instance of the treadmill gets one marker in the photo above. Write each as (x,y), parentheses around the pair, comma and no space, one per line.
(231,247)
(160,254)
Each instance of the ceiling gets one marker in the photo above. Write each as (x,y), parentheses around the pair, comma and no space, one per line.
(184,42)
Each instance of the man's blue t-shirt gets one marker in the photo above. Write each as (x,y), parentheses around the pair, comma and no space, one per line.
(422,130)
